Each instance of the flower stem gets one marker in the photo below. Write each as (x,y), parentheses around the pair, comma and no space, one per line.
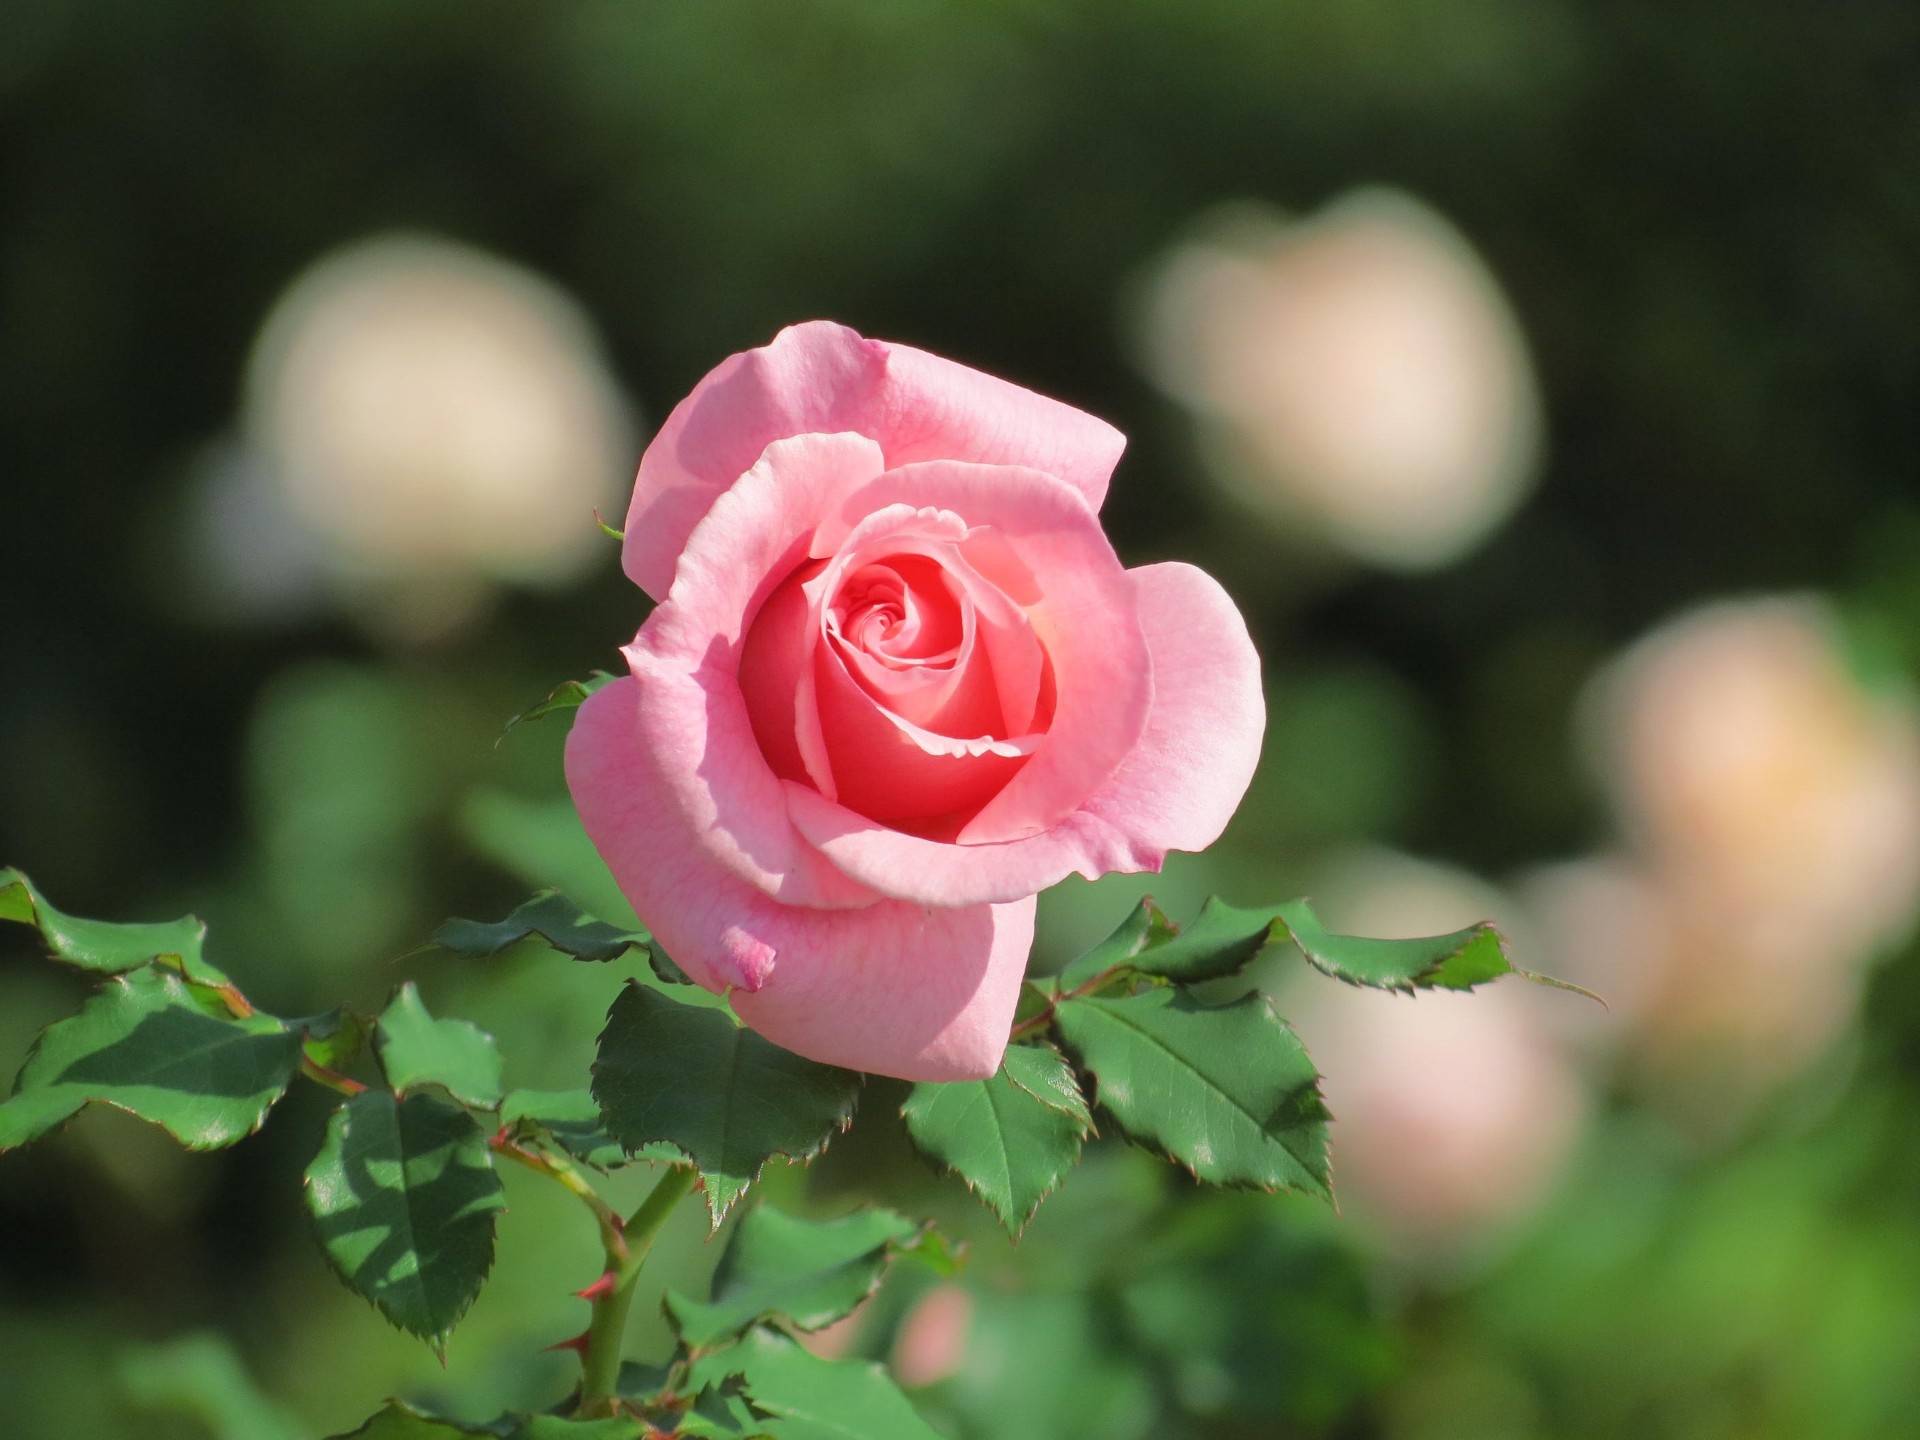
(606,1333)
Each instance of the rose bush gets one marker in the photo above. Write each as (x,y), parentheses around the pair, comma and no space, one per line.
(897,683)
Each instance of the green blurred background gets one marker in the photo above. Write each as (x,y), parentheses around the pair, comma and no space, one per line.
(1695,321)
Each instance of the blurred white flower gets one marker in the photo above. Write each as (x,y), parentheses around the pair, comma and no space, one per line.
(1359,370)
(1760,780)
(1771,803)
(1453,1114)
(428,421)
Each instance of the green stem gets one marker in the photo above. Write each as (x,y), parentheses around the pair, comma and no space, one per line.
(607,1332)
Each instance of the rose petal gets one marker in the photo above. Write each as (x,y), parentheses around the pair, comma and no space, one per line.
(692,713)
(1175,791)
(891,988)
(1085,614)
(1183,781)
(820,378)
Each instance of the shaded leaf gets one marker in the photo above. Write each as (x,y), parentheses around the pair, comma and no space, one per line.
(806,1398)
(1227,1091)
(570,1118)
(199,1376)
(1145,926)
(398,1420)
(404,1196)
(161,1048)
(730,1100)
(549,915)
(416,1049)
(568,696)
(334,1041)
(102,946)
(555,1427)
(804,1273)
(1012,1137)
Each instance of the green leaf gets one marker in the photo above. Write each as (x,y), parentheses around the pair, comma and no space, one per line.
(161,1048)
(727,1098)
(720,1412)
(1145,926)
(1012,1137)
(1227,1091)
(551,916)
(1456,961)
(334,1040)
(554,1427)
(804,1273)
(416,1049)
(570,695)
(570,1118)
(398,1420)
(404,1196)
(806,1398)
(103,947)
(198,1375)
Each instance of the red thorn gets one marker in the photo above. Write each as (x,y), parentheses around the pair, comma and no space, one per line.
(603,1286)
(578,1344)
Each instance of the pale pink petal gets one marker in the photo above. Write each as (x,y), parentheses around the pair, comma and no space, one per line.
(1083,610)
(1185,778)
(1175,791)
(892,988)
(692,714)
(821,378)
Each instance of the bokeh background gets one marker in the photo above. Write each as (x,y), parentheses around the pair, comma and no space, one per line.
(1540,376)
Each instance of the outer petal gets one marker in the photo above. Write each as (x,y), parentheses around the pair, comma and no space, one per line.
(892,988)
(1175,791)
(1186,777)
(820,378)
(692,714)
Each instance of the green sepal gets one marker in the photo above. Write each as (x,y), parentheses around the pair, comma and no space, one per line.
(567,696)
(1227,1090)
(805,1398)
(804,1274)
(694,1078)
(102,946)
(155,1045)
(416,1049)
(404,1197)
(551,916)
(1146,925)
(1011,1137)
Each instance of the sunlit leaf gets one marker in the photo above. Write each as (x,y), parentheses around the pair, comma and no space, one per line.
(404,1196)
(166,1050)
(1456,961)
(806,1398)
(102,946)
(570,1118)
(1012,1137)
(804,1273)
(568,696)
(416,1049)
(696,1079)
(1227,1091)
(551,916)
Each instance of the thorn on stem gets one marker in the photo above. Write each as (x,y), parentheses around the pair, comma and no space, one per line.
(603,1286)
(578,1344)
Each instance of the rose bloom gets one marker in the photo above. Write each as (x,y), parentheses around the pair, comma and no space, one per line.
(896,684)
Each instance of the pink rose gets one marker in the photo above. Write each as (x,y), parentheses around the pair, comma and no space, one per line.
(897,683)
